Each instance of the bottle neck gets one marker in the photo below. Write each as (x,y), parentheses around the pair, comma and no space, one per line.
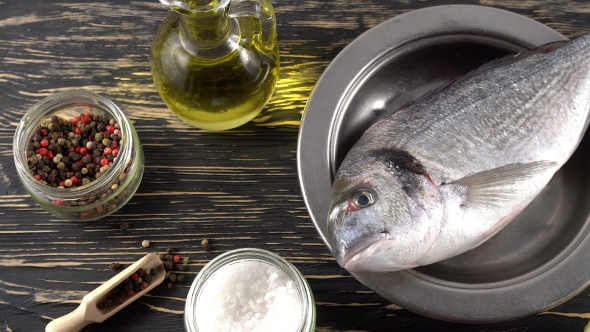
(206,29)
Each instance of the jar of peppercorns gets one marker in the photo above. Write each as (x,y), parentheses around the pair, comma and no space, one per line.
(78,155)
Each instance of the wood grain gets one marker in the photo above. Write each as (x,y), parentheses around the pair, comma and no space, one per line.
(237,188)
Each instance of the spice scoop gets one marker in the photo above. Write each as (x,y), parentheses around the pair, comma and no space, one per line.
(89,311)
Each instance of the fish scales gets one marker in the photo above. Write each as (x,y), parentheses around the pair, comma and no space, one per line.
(505,122)
(445,173)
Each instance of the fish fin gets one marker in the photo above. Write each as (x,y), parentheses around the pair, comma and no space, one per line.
(500,185)
(503,61)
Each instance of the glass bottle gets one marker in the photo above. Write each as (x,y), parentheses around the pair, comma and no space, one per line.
(215,63)
(107,193)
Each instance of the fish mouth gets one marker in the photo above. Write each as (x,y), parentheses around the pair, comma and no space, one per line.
(347,257)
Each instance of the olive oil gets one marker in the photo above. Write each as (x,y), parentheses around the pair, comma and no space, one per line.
(214,71)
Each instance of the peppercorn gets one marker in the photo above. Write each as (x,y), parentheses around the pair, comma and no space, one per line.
(147,278)
(180,278)
(169,285)
(144,243)
(153,271)
(114,266)
(168,257)
(160,267)
(176,258)
(161,257)
(172,277)
(170,250)
(169,265)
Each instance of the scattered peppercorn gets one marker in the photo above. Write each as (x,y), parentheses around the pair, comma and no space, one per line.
(114,266)
(206,245)
(145,243)
(124,226)
(168,265)
(173,262)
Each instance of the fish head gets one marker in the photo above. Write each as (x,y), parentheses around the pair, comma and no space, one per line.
(385,212)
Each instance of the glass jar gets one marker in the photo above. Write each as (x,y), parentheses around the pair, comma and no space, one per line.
(105,194)
(199,297)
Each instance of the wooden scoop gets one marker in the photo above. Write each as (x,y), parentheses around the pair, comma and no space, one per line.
(88,312)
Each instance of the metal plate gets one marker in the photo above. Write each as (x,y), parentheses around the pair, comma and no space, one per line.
(536,262)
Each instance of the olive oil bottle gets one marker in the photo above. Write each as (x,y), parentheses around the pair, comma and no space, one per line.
(215,63)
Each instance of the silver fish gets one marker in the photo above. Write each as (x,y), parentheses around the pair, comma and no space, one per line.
(445,173)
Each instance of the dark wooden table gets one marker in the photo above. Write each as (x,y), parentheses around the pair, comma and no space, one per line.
(237,188)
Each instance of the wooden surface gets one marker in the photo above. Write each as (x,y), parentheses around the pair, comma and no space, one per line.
(237,188)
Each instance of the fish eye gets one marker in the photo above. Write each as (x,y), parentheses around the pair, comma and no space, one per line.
(363,198)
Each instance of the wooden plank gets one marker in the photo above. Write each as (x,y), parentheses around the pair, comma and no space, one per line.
(237,188)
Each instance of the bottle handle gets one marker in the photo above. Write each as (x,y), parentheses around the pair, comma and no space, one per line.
(260,9)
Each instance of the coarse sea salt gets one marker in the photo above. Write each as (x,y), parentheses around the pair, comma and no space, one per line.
(249,295)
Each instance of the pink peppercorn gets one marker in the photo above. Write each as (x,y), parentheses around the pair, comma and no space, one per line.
(110,129)
(104,161)
(44,142)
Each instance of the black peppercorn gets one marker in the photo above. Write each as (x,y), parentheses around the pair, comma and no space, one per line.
(169,265)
